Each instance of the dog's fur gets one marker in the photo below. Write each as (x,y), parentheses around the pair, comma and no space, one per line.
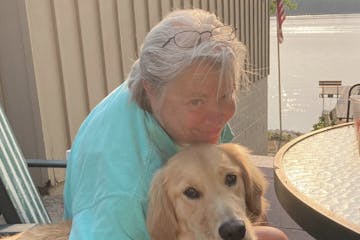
(199,190)
(204,168)
(59,231)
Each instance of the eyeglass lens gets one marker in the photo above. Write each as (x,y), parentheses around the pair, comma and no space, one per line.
(189,39)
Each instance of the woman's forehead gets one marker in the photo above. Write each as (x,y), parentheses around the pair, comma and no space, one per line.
(206,86)
(199,77)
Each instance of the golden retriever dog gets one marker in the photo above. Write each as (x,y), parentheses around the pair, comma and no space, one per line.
(207,192)
(59,231)
(204,192)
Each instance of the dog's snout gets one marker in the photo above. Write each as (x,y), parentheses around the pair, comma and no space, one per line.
(232,230)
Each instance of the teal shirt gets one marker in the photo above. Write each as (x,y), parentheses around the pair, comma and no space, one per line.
(113,158)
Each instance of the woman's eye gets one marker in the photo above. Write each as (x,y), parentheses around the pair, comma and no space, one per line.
(196,102)
(192,193)
(230,180)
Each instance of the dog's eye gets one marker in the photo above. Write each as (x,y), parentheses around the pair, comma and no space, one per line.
(230,179)
(192,193)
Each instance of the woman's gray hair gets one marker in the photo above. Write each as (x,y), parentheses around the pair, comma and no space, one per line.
(159,64)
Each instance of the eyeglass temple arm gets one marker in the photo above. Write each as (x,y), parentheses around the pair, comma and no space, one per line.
(167,42)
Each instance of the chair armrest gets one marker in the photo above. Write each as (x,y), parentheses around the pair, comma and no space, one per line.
(40,163)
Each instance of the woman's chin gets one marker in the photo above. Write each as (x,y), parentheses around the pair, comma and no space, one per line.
(211,138)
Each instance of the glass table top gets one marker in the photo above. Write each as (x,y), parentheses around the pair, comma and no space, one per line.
(325,167)
(317,181)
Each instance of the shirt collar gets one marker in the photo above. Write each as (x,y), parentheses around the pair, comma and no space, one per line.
(159,138)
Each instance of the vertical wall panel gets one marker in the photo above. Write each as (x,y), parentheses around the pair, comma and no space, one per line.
(247,26)
(154,12)
(259,40)
(267,34)
(237,23)
(212,6)
(242,21)
(47,71)
(141,21)
(92,50)
(263,43)
(205,4)
(111,44)
(188,4)
(48,75)
(18,91)
(251,38)
(256,39)
(196,3)
(264,26)
(127,34)
(70,64)
(178,4)
(219,9)
(166,7)
(226,12)
(232,12)
(247,23)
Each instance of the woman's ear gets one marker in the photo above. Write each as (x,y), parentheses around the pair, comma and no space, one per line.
(149,89)
(149,92)
(161,220)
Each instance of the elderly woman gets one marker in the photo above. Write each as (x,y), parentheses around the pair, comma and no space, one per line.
(180,91)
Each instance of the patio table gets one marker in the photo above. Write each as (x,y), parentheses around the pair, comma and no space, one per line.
(317,181)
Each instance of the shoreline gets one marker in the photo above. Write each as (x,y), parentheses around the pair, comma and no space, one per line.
(319,16)
(274,138)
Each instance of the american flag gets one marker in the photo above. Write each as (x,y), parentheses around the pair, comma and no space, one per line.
(280,14)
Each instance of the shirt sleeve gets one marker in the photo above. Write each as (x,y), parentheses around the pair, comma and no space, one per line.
(113,218)
(227,134)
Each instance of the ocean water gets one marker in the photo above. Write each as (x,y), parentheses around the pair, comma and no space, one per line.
(315,48)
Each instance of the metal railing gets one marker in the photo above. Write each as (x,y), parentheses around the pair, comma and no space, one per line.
(348,103)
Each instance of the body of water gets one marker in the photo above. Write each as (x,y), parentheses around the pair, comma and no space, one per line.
(315,48)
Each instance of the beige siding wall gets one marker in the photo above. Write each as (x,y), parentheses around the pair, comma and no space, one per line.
(250,121)
(59,58)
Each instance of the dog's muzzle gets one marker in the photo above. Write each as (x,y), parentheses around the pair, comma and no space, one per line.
(232,230)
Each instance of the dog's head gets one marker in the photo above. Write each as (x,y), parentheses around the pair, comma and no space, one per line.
(206,192)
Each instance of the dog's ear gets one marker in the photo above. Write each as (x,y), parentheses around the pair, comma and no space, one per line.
(161,219)
(254,181)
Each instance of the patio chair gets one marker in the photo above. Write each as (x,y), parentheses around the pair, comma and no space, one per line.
(20,203)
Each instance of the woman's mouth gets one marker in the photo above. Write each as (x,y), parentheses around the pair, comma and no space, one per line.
(212,135)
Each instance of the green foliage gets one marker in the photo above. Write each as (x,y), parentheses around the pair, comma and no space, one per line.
(290,4)
(323,122)
(274,135)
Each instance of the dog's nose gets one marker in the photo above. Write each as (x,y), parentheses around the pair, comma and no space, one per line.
(232,230)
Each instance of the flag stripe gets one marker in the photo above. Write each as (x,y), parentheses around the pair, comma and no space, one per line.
(280,14)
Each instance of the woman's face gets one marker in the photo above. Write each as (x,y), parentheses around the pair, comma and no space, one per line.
(192,108)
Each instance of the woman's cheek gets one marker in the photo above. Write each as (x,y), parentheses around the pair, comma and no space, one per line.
(230,110)
(195,118)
